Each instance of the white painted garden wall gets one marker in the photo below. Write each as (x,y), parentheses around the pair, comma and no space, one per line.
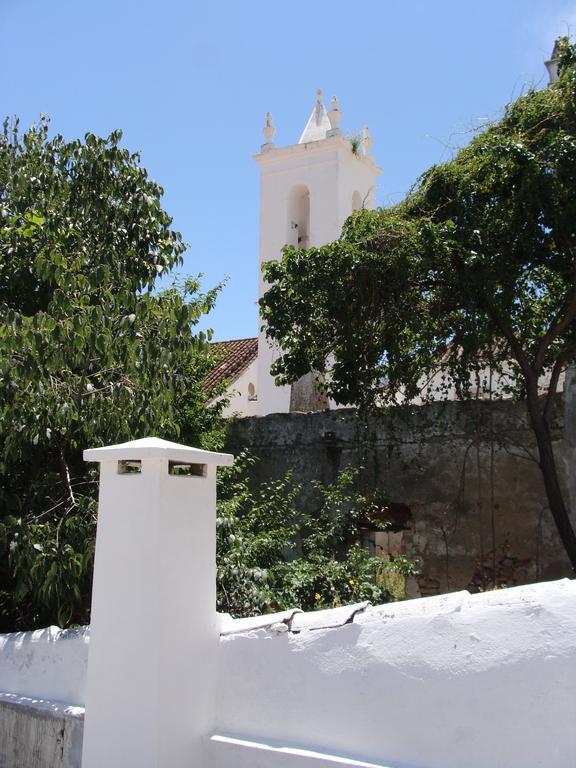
(462,681)
(457,681)
(46,664)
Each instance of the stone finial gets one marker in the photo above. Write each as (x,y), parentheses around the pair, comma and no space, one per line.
(269,130)
(319,108)
(334,116)
(366,140)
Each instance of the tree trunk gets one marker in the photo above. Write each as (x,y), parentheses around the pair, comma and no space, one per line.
(547,465)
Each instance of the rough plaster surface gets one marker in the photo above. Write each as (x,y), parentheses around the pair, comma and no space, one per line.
(435,463)
(46,664)
(305,395)
(455,681)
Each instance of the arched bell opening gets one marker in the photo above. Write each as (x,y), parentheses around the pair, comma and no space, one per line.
(298,233)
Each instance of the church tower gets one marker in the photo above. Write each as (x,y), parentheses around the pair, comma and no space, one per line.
(307,191)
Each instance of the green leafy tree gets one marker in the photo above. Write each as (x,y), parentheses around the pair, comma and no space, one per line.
(475,270)
(89,353)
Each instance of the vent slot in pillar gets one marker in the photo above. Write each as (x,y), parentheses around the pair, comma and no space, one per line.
(130,467)
(183,469)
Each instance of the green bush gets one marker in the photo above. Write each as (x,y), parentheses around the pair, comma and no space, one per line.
(273,557)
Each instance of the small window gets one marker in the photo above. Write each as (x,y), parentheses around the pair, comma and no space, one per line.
(130,467)
(252,392)
(182,469)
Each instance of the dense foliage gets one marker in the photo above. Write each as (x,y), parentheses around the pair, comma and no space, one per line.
(472,276)
(89,354)
(271,556)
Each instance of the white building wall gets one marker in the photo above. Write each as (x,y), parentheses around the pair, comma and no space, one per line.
(241,402)
(483,385)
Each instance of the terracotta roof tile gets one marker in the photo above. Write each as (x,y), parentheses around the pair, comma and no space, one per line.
(237,356)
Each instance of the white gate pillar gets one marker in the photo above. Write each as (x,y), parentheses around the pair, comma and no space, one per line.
(154,630)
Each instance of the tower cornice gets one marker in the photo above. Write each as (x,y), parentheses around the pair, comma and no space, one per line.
(326,146)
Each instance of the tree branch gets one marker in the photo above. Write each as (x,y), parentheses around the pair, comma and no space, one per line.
(559,324)
(554,376)
(65,472)
(515,346)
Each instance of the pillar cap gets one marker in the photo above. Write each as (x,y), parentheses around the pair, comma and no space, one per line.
(156,448)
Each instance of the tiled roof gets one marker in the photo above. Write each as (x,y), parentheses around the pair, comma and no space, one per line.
(236,357)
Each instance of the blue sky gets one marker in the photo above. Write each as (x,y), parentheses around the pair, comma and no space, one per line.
(189,84)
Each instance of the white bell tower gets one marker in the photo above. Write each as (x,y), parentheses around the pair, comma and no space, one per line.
(307,191)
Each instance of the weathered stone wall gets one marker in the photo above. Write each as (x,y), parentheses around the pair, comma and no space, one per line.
(39,734)
(461,480)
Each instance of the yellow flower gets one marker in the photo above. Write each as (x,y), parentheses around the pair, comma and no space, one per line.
(317,596)
(351,582)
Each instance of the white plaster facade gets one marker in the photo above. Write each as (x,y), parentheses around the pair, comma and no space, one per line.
(483,385)
(243,400)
